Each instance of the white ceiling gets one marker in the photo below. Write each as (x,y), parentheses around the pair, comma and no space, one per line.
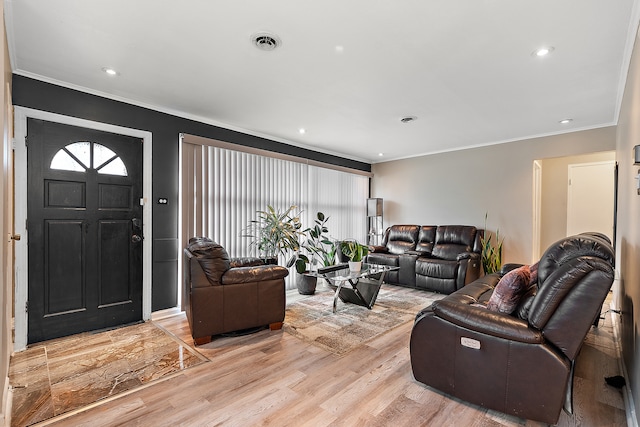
(464,68)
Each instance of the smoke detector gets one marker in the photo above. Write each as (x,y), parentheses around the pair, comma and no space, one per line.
(265,41)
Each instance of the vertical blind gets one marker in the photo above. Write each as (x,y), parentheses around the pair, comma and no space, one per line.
(222,189)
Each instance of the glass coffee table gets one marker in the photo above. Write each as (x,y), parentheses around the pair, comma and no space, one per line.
(357,287)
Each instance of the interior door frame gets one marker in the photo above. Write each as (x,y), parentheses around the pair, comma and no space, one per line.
(21,115)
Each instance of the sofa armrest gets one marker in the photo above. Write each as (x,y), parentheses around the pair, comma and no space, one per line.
(468,255)
(254,274)
(246,262)
(487,322)
(378,249)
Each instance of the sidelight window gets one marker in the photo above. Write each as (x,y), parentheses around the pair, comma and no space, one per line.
(80,156)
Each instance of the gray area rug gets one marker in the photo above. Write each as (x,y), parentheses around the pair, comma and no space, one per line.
(312,320)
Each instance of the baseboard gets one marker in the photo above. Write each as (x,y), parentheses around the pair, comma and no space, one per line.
(7,400)
(627,395)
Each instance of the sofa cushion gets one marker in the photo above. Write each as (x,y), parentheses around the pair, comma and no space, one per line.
(426,239)
(436,268)
(212,257)
(451,240)
(402,238)
(509,290)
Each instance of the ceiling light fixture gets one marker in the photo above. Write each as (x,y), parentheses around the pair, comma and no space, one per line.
(265,41)
(302,131)
(408,119)
(110,71)
(380,154)
(565,121)
(543,51)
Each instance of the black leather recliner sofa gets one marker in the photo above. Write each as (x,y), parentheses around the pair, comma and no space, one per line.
(440,258)
(519,363)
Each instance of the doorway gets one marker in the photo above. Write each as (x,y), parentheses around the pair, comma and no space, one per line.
(22,115)
(590,198)
(551,200)
(84,216)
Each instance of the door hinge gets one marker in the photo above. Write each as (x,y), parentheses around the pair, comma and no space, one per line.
(26,141)
(26,306)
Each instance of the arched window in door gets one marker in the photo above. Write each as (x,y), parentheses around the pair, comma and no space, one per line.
(80,156)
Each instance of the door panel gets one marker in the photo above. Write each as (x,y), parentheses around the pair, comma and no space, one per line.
(114,260)
(85,267)
(64,275)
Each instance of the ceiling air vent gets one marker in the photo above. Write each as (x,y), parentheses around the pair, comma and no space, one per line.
(265,41)
(408,119)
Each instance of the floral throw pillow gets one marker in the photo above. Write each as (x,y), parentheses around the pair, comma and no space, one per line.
(509,290)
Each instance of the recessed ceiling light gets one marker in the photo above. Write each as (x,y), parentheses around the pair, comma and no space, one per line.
(380,154)
(543,51)
(110,71)
(408,119)
(302,131)
(565,121)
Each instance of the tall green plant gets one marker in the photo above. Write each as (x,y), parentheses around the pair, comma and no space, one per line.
(275,233)
(491,255)
(317,244)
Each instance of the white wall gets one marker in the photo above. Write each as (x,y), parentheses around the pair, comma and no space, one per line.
(628,247)
(460,187)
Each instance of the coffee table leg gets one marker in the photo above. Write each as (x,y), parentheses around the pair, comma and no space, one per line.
(335,298)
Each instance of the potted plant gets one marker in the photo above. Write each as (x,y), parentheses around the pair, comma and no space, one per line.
(491,255)
(319,247)
(355,252)
(275,233)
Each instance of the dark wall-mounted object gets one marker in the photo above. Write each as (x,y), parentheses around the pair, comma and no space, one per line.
(636,155)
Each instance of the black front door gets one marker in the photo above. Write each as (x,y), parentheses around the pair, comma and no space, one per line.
(84,227)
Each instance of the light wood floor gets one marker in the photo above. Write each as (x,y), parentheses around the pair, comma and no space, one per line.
(273,378)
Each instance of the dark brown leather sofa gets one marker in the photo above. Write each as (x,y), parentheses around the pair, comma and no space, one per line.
(520,363)
(440,258)
(223,294)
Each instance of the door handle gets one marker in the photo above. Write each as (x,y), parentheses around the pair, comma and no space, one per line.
(136,239)
(15,237)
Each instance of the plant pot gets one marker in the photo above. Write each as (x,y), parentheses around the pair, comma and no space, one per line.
(306,284)
(355,265)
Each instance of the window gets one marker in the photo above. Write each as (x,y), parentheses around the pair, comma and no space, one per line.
(80,156)
(223,188)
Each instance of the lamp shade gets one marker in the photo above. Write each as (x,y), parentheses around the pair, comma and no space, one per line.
(374,207)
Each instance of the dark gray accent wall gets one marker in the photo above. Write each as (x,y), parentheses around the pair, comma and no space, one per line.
(166,129)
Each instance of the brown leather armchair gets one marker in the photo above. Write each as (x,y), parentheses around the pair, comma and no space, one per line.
(519,363)
(223,294)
